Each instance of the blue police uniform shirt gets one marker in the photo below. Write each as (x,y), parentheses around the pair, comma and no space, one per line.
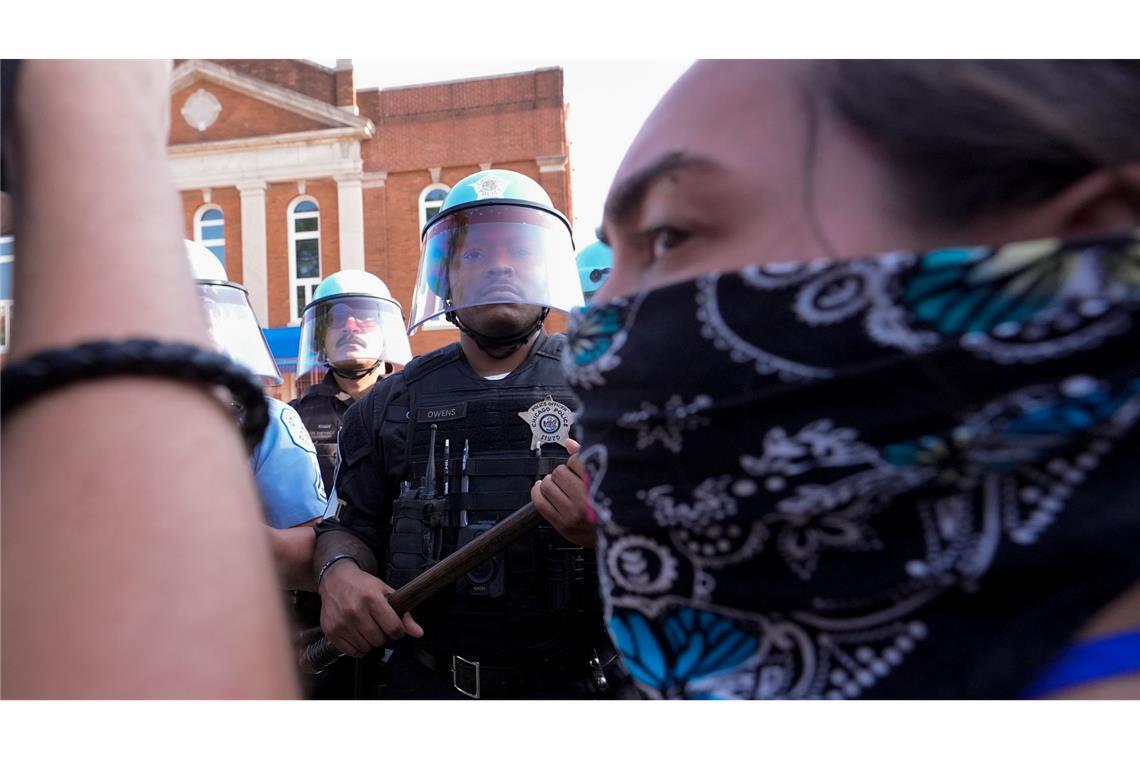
(288,475)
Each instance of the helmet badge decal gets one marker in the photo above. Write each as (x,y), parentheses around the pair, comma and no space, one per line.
(549,422)
(491,186)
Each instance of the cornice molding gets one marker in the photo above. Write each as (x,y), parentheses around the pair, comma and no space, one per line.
(341,135)
(267,164)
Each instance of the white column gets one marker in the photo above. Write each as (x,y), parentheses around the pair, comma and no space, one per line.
(255,271)
(350,214)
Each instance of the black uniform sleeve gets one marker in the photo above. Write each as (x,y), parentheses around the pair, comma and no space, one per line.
(361,485)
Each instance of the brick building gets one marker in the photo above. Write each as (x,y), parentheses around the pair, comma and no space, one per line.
(289,173)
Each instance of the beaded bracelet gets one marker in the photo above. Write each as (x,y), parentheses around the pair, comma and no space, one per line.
(50,370)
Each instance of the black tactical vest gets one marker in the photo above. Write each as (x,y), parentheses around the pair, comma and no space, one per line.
(535,600)
(322,410)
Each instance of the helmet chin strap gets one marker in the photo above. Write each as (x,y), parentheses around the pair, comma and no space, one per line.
(353,374)
(494,345)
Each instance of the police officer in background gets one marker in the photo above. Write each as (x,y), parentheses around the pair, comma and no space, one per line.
(594,264)
(352,332)
(285,462)
(438,453)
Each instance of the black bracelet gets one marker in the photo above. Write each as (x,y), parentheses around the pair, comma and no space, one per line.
(48,370)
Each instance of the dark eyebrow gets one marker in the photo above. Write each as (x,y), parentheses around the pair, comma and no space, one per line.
(627,196)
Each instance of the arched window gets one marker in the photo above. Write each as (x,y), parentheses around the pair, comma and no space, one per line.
(304,253)
(210,230)
(431,200)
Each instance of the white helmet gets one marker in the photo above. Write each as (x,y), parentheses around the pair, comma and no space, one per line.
(353,311)
(496,239)
(232,323)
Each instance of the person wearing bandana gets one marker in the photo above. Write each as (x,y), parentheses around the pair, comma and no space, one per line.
(462,437)
(825,471)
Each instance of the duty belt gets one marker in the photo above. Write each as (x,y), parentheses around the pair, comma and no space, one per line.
(477,680)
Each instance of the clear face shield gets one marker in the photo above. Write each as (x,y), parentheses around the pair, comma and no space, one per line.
(495,254)
(352,332)
(235,332)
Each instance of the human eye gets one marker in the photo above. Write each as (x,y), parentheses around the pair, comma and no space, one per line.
(471,255)
(664,239)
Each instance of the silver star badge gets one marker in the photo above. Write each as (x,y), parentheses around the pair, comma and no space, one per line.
(549,422)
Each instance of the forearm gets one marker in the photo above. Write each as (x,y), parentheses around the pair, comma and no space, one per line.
(293,555)
(86,165)
(337,540)
(118,582)
(108,573)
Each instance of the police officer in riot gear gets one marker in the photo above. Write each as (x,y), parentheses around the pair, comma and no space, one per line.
(230,320)
(436,454)
(353,332)
(285,462)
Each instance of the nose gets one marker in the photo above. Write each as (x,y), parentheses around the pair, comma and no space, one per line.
(352,325)
(502,263)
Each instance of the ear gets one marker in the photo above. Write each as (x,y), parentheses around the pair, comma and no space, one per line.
(1104,202)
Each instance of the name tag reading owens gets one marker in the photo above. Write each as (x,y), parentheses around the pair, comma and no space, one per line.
(549,422)
(442,413)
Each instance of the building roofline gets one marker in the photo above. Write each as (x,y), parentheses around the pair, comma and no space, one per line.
(466,80)
(316,65)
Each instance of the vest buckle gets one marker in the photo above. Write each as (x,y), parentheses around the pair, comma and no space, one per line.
(466,672)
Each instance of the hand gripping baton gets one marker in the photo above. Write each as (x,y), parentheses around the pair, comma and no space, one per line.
(321,653)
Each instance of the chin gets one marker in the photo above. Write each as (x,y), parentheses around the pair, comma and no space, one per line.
(500,319)
(351,364)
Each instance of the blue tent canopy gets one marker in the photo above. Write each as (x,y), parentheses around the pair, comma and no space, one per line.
(283,343)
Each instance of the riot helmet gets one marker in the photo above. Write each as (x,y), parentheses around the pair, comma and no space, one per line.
(594,264)
(497,239)
(232,324)
(351,325)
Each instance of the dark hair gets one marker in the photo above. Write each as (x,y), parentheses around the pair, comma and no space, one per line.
(970,137)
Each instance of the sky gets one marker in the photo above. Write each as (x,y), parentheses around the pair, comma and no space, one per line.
(608,101)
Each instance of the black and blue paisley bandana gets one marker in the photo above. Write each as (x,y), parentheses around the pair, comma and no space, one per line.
(908,476)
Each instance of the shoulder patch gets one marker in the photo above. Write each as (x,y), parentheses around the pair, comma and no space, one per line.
(297,430)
